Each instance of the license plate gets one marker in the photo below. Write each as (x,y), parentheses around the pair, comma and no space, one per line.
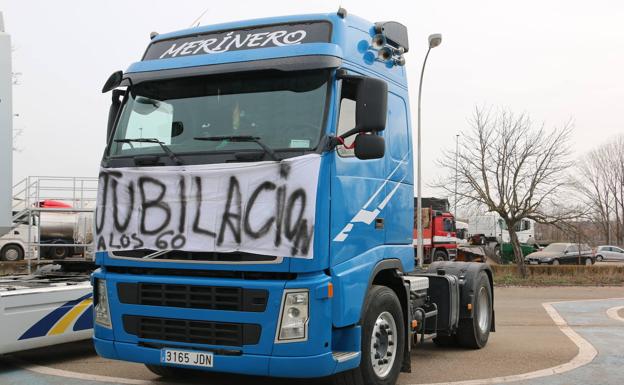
(186,357)
(533,262)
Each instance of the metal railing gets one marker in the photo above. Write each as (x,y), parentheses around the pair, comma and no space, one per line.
(78,193)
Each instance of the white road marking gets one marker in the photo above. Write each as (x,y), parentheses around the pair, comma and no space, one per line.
(46,370)
(585,355)
(613,313)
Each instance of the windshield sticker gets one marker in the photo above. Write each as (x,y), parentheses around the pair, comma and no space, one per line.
(242,39)
(299,143)
(265,208)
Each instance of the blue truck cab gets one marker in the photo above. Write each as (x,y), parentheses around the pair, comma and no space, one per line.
(340,296)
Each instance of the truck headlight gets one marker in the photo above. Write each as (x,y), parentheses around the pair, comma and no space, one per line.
(293,324)
(102,313)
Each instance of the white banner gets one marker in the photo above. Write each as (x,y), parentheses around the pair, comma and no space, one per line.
(262,208)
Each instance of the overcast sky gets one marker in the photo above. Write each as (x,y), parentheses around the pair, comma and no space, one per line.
(555,60)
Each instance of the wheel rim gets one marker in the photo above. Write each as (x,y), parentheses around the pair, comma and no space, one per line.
(588,262)
(555,262)
(599,258)
(383,344)
(11,255)
(483,314)
(59,252)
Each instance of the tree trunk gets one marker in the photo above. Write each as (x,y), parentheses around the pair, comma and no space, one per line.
(515,244)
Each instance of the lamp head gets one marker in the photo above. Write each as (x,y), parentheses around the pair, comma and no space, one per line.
(435,40)
(384,54)
(378,41)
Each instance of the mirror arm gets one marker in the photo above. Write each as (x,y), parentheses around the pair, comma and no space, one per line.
(349,133)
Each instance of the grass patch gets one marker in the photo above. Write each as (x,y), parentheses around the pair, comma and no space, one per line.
(596,275)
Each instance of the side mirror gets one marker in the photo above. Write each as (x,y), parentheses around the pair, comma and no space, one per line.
(371,105)
(112,112)
(371,102)
(113,81)
(369,146)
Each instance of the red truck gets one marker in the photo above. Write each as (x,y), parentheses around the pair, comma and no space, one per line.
(439,234)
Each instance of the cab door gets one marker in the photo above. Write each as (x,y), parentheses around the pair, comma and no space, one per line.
(357,188)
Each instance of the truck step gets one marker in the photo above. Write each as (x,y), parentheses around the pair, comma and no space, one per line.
(344,356)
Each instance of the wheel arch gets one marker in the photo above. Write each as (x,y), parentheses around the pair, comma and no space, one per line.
(14,243)
(388,273)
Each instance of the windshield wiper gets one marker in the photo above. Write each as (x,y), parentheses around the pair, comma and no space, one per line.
(166,149)
(242,138)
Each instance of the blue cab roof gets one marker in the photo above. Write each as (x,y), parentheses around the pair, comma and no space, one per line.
(349,41)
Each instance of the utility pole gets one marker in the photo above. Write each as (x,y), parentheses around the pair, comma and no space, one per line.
(456,154)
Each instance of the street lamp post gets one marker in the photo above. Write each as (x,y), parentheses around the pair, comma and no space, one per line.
(434,41)
(456,154)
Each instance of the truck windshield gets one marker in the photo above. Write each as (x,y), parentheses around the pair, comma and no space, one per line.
(285,110)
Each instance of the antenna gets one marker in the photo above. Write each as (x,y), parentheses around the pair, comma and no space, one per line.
(196,22)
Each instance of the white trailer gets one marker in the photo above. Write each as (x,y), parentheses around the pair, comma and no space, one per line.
(37,312)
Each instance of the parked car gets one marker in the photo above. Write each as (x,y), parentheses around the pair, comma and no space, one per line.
(562,254)
(609,253)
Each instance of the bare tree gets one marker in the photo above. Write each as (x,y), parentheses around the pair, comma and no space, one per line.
(507,165)
(600,183)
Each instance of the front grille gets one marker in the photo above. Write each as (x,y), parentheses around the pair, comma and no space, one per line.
(192,331)
(193,296)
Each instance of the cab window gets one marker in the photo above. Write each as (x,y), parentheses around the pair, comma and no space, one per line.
(346,121)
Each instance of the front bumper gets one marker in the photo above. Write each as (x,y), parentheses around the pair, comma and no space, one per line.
(537,261)
(260,365)
(310,358)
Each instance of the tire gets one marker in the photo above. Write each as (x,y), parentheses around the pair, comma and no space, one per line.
(440,255)
(168,371)
(59,252)
(382,307)
(497,252)
(12,253)
(588,262)
(474,332)
(482,240)
(555,262)
(599,258)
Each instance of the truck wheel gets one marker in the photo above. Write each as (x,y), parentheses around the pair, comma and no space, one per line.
(168,371)
(474,332)
(589,262)
(59,252)
(497,252)
(11,253)
(440,255)
(382,341)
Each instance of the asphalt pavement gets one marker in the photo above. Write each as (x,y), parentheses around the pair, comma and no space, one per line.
(528,340)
